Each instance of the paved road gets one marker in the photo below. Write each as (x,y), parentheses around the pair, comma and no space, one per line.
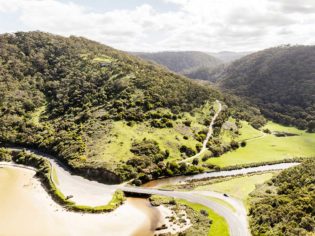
(85,190)
(238,205)
(209,134)
(237,225)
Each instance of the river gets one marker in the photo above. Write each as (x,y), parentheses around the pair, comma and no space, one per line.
(216,174)
(24,201)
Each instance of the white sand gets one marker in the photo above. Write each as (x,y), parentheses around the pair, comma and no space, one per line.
(174,226)
(26,209)
(84,191)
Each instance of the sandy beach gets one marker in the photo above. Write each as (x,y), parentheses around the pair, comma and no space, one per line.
(26,209)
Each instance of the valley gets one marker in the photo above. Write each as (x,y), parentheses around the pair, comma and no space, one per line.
(98,138)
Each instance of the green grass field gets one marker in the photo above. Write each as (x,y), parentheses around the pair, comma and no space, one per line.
(268,147)
(168,139)
(218,226)
(114,144)
(238,187)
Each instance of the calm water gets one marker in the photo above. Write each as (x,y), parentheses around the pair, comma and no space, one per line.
(181,179)
(26,209)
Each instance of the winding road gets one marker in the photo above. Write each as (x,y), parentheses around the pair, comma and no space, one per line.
(237,225)
(94,193)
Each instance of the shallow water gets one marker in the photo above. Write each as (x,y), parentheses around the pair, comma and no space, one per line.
(26,209)
(182,179)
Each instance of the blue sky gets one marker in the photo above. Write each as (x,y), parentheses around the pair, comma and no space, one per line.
(158,25)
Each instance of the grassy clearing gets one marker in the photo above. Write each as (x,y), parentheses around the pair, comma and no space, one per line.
(238,187)
(248,132)
(103,58)
(124,135)
(218,226)
(276,127)
(116,142)
(268,147)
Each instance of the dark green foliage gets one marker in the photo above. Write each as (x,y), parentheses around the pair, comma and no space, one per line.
(195,161)
(287,207)
(149,149)
(39,69)
(187,123)
(187,150)
(311,126)
(80,84)
(162,123)
(243,144)
(234,145)
(279,80)
(198,147)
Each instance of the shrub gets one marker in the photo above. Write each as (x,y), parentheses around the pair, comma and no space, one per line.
(137,182)
(145,147)
(187,150)
(187,123)
(204,212)
(195,161)
(234,145)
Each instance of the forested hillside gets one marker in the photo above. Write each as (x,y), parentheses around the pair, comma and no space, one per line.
(286,204)
(104,113)
(228,56)
(281,81)
(187,63)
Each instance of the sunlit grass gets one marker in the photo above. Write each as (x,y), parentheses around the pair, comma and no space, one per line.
(269,147)
(218,227)
(238,187)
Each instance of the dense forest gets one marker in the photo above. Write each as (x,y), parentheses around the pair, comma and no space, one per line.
(281,81)
(286,204)
(193,64)
(57,94)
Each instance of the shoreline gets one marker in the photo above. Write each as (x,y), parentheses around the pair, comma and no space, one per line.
(38,212)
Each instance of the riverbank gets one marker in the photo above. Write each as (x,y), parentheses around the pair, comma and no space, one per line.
(25,203)
(237,226)
(218,174)
(44,173)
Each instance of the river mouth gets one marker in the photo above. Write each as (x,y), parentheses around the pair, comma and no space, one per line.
(26,209)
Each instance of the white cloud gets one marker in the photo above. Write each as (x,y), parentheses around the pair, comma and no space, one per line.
(208,25)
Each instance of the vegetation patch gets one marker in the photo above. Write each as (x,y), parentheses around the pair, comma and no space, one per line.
(239,187)
(86,104)
(265,147)
(279,80)
(204,220)
(285,204)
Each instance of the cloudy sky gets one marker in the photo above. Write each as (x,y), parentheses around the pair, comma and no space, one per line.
(157,25)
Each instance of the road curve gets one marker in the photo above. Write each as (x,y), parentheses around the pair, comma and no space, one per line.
(237,227)
(86,189)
